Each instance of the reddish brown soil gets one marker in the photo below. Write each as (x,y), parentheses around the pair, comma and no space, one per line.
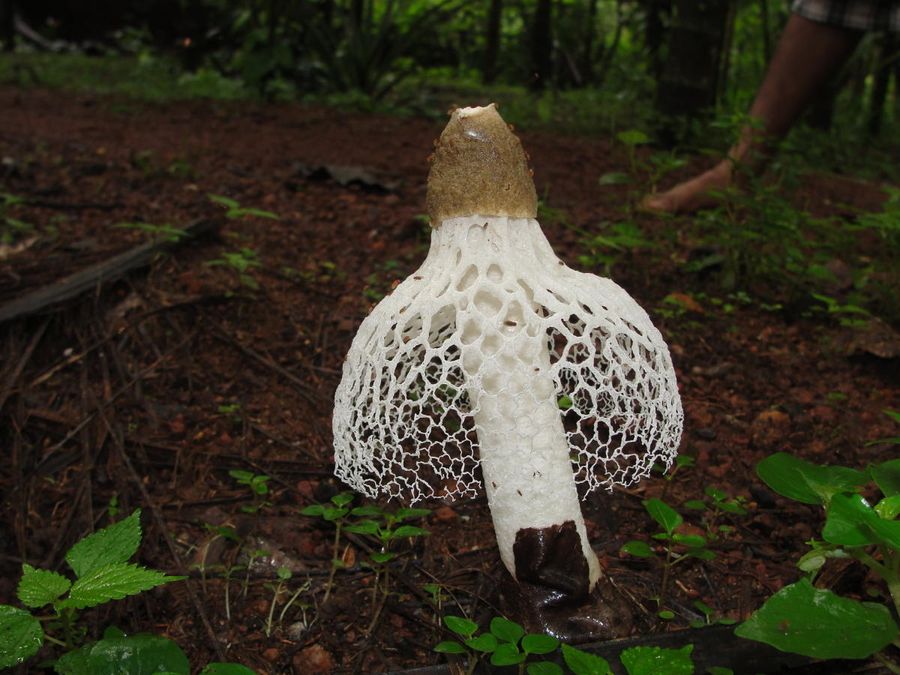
(152,388)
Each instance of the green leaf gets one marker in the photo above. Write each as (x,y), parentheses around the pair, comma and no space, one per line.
(695,504)
(313,510)
(536,643)
(719,670)
(666,615)
(21,636)
(655,660)
(382,557)
(582,663)
(715,493)
(134,654)
(701,553)
(633,137)
(331,513)
(363,527)
(507,654)
(506,630)
(564,403)
(342,499)
(113,582)
(543,668)
(460,626)
(690,540)
(449,647)
(367,511)
(804,481)
(667,517)
(888,508)
(887,476)
(614,178)
(850,521)
(639,549)
(409,531)
(226,669)
(113,544)
(40,587)
(485,642)
(223,201)
(820,624)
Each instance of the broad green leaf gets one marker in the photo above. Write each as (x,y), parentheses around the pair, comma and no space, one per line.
(633,137)
(506,630)
(543,668)
(113,544)
(485,642)
(382,557)
(21,636)
(804,481)
(407,513)
(507,654)
(409,531)
(889,507)
(850,521)
(695,504)
(313,510)
(363,527)
(667,517)
(367,511)
(460,626)
(701,553)
(342,499)
(733,508)
(715,493)
(223,201)
(690,540)
(226,669)
(582,663)
(887,476)
(449,647)
(331,513)
(656,660)
(536,643)
(40,587)
(134,654)
(820,624)
(639,549)
(113,582)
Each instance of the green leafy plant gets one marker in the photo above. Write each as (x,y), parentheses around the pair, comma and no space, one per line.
(283,575)
(610,243)
(678,547)
(241,261)
(259,488)
(165,231)
(817,622)
(507,644)
(387,528)
(334,512)
(717,504)
(234,210)
(101,573)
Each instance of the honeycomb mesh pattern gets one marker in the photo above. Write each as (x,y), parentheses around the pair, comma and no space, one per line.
(404,418)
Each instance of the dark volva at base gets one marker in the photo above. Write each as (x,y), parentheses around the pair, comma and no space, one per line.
(551,594)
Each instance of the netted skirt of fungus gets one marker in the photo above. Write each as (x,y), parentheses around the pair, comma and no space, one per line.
(496,355)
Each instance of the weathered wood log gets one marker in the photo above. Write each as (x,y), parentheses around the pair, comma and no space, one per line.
(713,646)
(99,273)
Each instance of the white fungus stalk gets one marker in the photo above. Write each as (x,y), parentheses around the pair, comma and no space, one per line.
(496,355)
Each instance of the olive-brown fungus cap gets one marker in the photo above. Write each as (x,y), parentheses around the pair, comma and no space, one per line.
(479,167)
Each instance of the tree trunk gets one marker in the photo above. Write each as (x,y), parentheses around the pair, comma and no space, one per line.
(7,25)
(587,52)
(887,52)
(656,12)
(492,42)
(692,75)
(541,45)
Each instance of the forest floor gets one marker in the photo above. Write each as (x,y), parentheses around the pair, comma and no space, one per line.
(224,352)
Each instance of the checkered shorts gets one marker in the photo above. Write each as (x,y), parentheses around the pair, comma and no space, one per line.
(854,14)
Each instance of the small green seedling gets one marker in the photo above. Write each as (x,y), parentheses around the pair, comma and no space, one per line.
(234,210)
(679,547)
(11,228)
(242,262)
(102,573)
(334,512)
(816,622)
(718,503)
(259,489)
(284,575)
